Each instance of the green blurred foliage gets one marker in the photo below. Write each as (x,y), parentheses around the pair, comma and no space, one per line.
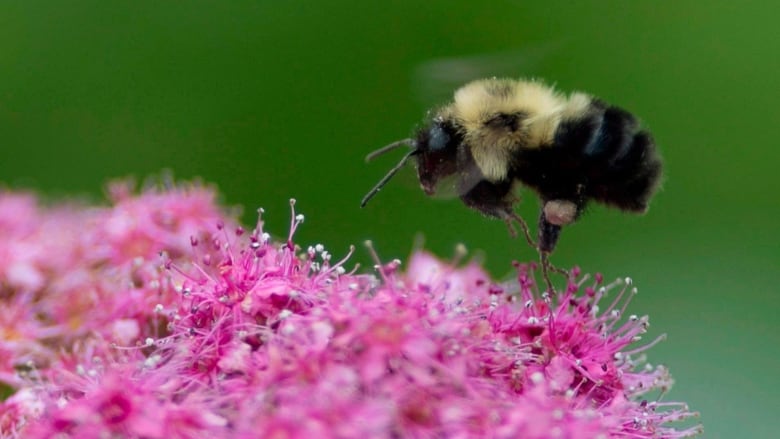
(272,100)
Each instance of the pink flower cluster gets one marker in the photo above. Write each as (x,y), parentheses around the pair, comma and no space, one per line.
(159,317)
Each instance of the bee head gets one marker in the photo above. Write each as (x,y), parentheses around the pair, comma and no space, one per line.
(437,146)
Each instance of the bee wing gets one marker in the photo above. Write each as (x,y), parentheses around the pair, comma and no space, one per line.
(437,78)
(461,182)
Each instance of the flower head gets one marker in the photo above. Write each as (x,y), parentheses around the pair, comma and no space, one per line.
(230,333)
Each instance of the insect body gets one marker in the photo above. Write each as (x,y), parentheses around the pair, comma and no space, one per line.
(569,149)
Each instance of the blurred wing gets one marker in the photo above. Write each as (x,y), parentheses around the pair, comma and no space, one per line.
(438,78)
(460,183)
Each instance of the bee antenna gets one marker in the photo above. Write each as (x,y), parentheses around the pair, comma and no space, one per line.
(390,147)
(390,174)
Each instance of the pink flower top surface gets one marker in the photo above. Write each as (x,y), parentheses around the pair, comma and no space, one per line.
(166,320)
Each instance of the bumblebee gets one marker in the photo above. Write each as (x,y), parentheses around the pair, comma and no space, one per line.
(570,150)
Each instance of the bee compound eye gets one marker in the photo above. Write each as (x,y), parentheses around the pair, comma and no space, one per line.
(438,138)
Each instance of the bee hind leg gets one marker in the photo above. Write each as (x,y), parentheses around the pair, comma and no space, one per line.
(543,259)
(548,237)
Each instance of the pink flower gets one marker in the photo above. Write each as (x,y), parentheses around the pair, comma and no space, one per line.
(230,334)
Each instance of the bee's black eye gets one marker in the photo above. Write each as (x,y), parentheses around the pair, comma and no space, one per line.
(438,139)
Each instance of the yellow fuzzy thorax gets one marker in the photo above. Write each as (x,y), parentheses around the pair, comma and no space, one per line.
(477,102)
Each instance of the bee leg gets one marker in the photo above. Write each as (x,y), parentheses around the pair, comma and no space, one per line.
(556,214)
(548,238)
(548,234)
(562,271)
(510,227)
(543,259)
(512,216)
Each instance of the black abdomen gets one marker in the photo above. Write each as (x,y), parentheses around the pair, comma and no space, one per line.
(602,155)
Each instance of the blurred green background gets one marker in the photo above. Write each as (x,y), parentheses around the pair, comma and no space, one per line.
(272,100)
